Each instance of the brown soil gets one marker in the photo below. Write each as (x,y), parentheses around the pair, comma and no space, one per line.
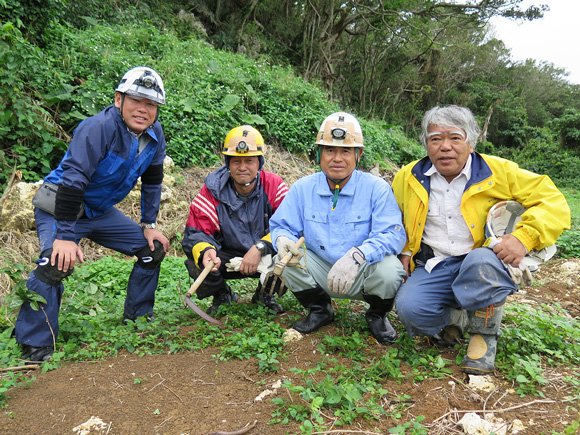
(192,393)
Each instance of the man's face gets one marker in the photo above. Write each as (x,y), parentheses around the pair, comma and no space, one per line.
(244,169)
(138,113)
(338,162)
(448,150)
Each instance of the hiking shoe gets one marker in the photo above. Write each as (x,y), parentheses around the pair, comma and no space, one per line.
(35,354)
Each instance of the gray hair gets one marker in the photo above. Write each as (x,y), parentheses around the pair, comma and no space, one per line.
(451,116)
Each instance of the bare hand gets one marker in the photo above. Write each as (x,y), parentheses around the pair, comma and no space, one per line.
(211,255)
(67,253)
(406,262)
(152,234)
(251,261)
(510,250)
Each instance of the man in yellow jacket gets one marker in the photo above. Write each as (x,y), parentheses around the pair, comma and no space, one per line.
(453,282)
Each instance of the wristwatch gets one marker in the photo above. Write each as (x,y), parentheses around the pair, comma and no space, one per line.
(148,226)
(261,246)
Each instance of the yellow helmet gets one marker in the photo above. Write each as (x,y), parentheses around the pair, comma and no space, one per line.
(340,130)
(244,141)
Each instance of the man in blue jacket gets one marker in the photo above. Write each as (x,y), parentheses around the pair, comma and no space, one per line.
(108,154)
(353,233)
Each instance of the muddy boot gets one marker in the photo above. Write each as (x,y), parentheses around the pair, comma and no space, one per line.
(224,296)
(267,299)
(483,334)
(377,320)
(320,306)
(454,332)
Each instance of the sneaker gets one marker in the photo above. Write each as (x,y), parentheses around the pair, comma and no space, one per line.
(224,296)
(35,354)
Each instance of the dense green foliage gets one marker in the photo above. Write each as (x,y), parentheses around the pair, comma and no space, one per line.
(61,60)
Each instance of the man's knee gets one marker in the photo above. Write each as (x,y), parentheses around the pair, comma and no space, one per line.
(48,273)
(149,259)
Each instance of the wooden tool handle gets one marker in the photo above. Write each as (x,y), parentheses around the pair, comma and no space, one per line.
(281,264)
(200,278)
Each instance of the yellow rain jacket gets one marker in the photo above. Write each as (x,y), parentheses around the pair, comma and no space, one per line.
(493,179)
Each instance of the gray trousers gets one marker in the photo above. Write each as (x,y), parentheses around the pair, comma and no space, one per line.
(381,279)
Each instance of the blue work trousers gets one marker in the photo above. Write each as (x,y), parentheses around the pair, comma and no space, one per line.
(112,230)
(470,282)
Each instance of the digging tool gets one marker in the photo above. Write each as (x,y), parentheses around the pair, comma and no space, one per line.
(187,298)
(274,277)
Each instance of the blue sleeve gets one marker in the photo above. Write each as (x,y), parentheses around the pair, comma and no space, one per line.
(387,236)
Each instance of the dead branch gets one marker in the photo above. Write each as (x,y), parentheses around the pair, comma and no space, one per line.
(18,368)
(243,430)
(511,408)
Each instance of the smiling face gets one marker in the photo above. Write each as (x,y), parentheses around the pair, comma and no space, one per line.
(448,150)
(338,162)
(138,113)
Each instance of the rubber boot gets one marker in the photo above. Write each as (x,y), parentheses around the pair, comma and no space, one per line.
(320,306)
(267,299)
(377,320)
(453,333)
(36,355)
(224,296)
(483,334)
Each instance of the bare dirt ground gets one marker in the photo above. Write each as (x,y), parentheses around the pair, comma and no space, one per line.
(192,393)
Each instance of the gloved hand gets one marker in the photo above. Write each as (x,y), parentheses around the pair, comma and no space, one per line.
(344,272)
(266,264)
(285,245)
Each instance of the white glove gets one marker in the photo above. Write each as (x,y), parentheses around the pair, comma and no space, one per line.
(264,266)
(285,245)
(344,272)
(521,275)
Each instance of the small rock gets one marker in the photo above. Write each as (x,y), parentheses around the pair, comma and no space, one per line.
(291,335)
(481,383)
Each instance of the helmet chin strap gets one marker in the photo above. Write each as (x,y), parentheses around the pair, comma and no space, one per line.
(243,184)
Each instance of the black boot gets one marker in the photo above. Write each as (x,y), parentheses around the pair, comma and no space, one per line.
(267,299)
(224,296)
(37,355)
(320,306)
(377,320)
(483,334)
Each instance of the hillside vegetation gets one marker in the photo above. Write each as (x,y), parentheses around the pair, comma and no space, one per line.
(282,67)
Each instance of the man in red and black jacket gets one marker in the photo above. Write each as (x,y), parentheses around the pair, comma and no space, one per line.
(230,218)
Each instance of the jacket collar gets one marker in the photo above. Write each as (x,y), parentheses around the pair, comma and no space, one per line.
(480,171)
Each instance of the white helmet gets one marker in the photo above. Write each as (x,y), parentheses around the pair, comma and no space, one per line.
(341,130)
(143,82)
(502,219)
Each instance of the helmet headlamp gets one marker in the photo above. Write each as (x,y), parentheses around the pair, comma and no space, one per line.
(242,147)
(338,133)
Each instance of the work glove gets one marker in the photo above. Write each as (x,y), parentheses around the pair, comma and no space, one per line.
(521,275)
(264,266)
(285,245)
(344,272)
